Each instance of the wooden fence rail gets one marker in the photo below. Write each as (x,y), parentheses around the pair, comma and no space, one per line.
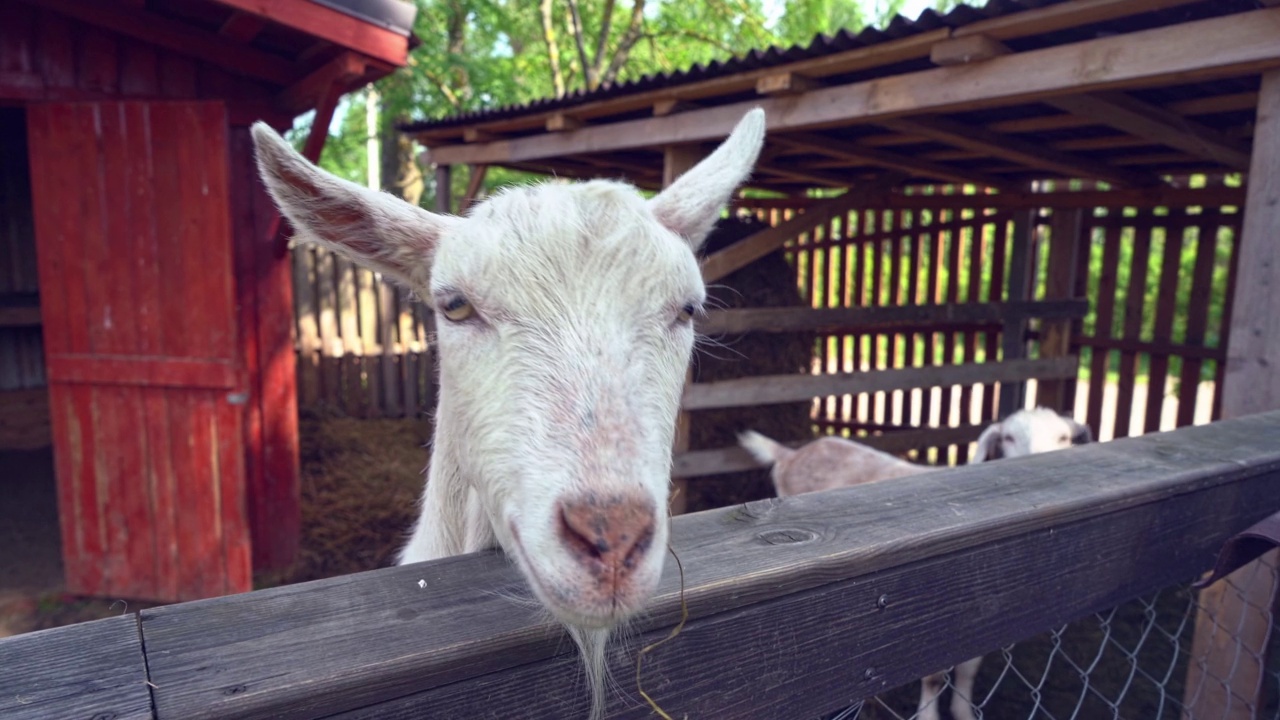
(797,606)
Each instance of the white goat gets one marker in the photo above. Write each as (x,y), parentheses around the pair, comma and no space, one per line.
(833,462)
(563,319)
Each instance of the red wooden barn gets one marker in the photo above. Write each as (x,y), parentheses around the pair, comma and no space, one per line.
(139,249)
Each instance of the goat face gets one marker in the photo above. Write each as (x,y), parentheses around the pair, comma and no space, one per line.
(1028,432)
(564,333)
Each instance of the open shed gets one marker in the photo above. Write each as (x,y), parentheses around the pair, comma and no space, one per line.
(145,300)
(1008,192)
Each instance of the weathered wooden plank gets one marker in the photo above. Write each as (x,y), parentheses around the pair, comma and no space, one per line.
(88,670)
(1201,290)
(698,463)
(1085,528)
(1166,305)
(771,389)
(1104,323)
(884,317)
(1065,235)
(1135,302)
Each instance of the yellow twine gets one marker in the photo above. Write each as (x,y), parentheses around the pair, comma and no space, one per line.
(684,616)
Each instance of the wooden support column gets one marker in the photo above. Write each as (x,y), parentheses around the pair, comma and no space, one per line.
(1055,335)
(1013,335)
(444,177)
(676,161)
(1225,674)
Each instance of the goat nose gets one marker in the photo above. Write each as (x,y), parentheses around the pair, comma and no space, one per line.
(607,535)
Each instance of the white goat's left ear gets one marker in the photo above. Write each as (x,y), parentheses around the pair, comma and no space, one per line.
(691,206)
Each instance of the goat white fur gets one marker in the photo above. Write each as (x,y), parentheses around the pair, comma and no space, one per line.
(563,319)
(833,462)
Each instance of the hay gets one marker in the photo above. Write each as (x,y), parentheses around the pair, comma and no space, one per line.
(361,480)
(768,282)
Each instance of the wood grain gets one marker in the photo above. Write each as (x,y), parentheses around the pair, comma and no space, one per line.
(88,670)
(1082,529)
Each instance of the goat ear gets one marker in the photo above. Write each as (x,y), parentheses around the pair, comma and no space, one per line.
(691,205)
(989,445)
(1080,433)
(373,229)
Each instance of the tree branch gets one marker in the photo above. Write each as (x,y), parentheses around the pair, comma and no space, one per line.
(635,29)
(576,25)
(606,23)
(553,51)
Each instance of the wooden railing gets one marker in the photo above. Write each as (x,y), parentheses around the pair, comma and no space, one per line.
(796,606)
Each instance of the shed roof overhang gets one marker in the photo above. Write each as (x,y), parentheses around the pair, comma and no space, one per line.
(301,49)
(1121,91)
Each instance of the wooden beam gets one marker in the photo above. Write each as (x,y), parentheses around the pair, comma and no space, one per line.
(775,389)
(1158,125)
(1252,382)
(444,185)
(700,463)
(474,135)
(882,319)
(1227,46)
(786,83)
(177,36)
(562,122)
(667,106)
(856,572)
(242,27)
(966,49)
(814,177)
(751,248)
(475,180)
(311,90)
(855,152)
(328,24)
(980,139)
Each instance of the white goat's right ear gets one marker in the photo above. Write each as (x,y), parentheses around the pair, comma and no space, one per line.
(374,229)
(989,445)
(691,205)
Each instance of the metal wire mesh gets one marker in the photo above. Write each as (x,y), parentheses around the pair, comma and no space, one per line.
(1212,654)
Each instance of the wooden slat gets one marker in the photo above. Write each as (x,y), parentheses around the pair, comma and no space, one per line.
(699,463)
(447,644)
(1201,292)
(1065,236)
(1228,46)
(771,389)
(129,370)
(850,151)
(1166,306)
(1104,327)
(88,670)
(1135,301)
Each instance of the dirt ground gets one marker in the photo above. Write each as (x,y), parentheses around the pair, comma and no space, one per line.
(360,484)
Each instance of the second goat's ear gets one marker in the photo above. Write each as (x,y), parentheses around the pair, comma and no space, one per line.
(1080,432)
(989,445)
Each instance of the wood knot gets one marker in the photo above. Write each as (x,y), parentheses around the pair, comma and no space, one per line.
(787,536)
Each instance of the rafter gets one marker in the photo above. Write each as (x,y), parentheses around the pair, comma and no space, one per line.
(1227,46)
(1158,125)
(883,158)
(989,142)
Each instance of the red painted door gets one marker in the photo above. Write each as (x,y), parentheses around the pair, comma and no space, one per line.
(146,390)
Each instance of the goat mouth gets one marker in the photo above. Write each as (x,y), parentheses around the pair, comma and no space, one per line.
(568,606)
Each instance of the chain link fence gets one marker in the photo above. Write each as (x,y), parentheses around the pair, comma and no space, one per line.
(1177,654)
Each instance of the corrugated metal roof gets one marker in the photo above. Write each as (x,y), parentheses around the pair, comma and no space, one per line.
(843,41)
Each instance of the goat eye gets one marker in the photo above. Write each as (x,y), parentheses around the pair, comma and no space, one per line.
(457,309)
(1007,439)
(686,313)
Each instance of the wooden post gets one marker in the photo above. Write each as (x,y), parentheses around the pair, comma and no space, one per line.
(1228,671)
(1064,248)
(676,160)
(444,176)
(1013,336)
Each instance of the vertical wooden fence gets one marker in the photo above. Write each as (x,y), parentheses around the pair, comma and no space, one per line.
(1158,279)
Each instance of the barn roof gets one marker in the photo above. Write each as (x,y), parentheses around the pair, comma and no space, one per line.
(290,51)
(1194,114)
